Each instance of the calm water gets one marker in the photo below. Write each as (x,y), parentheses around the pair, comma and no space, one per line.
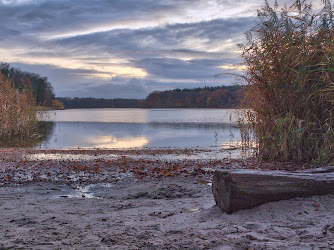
(136,128)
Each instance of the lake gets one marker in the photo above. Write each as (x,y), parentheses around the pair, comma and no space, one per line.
(139,128)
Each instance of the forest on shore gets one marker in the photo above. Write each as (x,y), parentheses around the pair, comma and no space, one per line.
(208,97)
(44,96)
(42,89)
(90,102)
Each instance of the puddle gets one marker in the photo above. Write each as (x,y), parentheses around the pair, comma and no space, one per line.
(79,192)
(92,191)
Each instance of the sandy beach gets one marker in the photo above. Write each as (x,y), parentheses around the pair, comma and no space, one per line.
(143,200)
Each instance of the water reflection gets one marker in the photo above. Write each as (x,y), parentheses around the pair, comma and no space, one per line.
(133,128)
(193,125)
(44,131)
(118,115)
(114,142)
(130,115)
(138,135)
(137,128)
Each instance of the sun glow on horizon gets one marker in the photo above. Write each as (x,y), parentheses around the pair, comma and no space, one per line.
(233,67)
(110,69)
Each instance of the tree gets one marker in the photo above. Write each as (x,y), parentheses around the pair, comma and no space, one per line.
(57,105)
(214,97)
(42,89)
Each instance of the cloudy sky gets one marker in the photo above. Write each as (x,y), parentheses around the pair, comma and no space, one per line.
(125,48)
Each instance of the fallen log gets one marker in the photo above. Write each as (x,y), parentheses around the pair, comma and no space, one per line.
(234,190)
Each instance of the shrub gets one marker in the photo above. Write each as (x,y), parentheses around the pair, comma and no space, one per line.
(58,105)
(289,58)
(17,110)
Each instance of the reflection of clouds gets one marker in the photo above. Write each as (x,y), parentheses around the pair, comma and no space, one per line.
(136,128)
(114,142)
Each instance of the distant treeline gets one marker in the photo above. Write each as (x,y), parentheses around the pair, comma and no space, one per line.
(81,103)
(213,97)
(41,88)
(208,97)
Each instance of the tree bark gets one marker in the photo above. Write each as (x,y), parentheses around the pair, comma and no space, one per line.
(242,189)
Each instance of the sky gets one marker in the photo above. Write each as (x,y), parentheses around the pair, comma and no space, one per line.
(125,48)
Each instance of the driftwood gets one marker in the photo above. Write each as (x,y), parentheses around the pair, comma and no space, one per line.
(242,189)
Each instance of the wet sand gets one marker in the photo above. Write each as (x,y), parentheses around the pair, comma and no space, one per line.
(104,203)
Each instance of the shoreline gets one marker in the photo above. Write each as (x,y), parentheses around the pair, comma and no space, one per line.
(140,203)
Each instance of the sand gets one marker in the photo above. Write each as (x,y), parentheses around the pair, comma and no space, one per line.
(164,212)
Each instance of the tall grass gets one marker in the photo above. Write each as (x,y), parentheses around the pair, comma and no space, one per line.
(17,110)
(289,58)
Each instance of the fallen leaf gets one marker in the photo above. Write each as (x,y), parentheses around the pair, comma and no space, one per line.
(194,210)
(202,236)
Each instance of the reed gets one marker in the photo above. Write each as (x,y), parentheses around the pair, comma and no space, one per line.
(289,57)
(17,111)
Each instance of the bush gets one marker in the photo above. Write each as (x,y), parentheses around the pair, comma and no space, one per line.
(58,105)
(17,110)
(289,58)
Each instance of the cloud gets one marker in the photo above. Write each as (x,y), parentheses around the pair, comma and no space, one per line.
(126,88)
(65,18)
(124,48)
(166,68)
(83,83)
(133,43)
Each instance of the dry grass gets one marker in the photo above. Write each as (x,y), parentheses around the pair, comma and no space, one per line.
(290,90)
(17,110)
